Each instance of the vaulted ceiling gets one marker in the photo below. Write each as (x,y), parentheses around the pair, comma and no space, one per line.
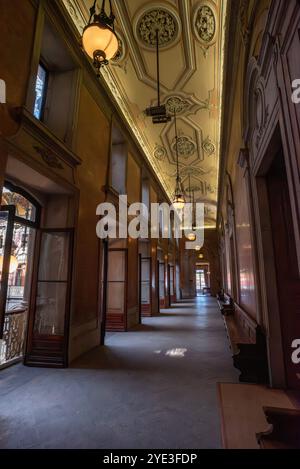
(192,36)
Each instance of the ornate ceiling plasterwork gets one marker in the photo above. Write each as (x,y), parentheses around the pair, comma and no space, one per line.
(185,146)
(192,37)
(155,19)
(205,24)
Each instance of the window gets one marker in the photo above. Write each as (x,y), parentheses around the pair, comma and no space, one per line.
(40,92)
(53,93)
(24,208)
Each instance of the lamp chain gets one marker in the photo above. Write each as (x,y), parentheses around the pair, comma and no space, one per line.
(92,11)
(176,143)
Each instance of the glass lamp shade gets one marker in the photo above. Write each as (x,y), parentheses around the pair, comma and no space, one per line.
(98,38)
(191,236)
(179,202)
(198,248)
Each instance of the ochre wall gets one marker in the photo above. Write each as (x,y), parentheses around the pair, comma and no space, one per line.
(17,34)
(133,180)
(17,26)
(92,145)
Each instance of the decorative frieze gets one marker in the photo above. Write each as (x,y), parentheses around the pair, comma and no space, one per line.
(48,157)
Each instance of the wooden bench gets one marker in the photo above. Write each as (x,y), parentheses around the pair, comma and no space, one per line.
(248,345)
(284,432)
(225,303)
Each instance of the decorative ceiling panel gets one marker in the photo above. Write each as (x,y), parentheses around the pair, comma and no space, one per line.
(192,41)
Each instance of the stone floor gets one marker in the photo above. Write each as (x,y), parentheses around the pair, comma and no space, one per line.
(154,387)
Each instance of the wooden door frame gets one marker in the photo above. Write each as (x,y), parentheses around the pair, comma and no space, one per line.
(164,265)
(157,285)
(103,280)
(140,288)
(267,269)
(149,259)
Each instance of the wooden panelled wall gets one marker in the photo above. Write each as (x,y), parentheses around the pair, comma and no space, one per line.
(262,122)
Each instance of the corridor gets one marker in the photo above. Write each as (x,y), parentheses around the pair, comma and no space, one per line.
(153,387)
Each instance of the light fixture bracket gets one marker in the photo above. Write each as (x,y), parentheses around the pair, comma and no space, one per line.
(99,60)
(103,18)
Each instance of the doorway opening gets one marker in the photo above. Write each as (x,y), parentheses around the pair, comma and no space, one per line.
(37,232)
(202,279)
(116,286)
(286,266)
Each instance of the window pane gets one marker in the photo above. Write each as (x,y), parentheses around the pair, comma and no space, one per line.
(24,209)
(40,92)
(3,230)
(146,281)
(21,258)
(161,281)
(54,257)
(50,309)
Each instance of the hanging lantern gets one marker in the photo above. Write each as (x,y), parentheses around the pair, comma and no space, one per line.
(179,199)
(99,39)
(191,236)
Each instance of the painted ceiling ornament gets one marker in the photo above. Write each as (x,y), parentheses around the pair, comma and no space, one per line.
(160,152)
(205,24)
(176,104)
(194,171)
(208,147)
(196,188)
(186,147)
(161,19)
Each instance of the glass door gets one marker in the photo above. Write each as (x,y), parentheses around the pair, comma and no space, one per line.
(116,310)
(49,325)
(6,229)
(146,275)
(172,289)
(162,284)
(19,218)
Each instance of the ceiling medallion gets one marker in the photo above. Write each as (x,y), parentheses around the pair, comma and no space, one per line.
(160,152)
(208,147)
(205,24)
(176,104)
(185,146)
(161,19)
